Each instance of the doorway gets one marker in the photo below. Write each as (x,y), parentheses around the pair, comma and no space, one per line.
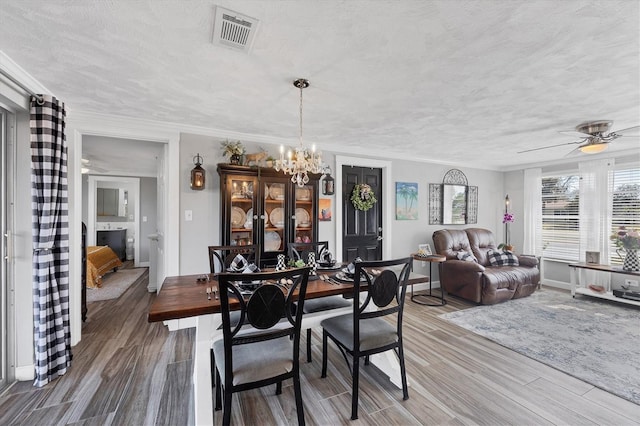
(386,212)
(361,230)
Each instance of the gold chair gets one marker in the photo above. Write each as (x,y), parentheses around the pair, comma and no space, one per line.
(365,332)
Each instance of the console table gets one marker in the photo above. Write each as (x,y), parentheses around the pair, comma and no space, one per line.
(577,268)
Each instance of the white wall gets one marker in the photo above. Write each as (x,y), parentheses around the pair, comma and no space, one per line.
(204,229)
(407,234)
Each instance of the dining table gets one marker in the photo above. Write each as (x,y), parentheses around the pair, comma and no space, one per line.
(191,301)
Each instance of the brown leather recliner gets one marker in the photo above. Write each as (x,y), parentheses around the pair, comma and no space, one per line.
(478,281)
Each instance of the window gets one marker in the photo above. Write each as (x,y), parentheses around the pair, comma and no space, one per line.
(626,204)
(560,217)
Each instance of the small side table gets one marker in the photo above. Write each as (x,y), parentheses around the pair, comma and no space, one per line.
(432,258)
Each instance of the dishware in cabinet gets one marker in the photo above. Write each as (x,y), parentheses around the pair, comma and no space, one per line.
(238,209)
(275,211)
(305,213)
(277,222)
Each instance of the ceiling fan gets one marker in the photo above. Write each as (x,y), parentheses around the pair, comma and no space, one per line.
(88,167)
(593,136)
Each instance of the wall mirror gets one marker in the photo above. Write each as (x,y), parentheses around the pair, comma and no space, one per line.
(112,202)
(453,202)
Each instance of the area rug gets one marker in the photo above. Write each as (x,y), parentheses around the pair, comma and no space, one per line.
(593,340)
(114,284)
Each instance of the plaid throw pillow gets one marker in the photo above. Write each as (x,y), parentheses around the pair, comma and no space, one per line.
(466,255)
(502,258)
(238,264)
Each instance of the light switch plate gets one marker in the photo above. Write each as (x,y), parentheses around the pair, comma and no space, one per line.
(188,215)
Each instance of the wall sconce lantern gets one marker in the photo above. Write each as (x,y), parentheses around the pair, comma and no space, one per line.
(197,174)
(328,183)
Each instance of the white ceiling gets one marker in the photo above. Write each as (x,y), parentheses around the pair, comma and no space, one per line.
(467,82)
(125,157)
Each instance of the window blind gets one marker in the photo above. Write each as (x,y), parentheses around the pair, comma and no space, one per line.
(626,205)
(560,217)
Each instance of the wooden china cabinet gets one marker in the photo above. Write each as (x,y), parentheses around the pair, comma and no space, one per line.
(261,206)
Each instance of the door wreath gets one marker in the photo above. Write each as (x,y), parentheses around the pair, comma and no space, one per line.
(362,197)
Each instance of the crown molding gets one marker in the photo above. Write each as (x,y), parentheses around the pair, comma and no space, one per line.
(14,72)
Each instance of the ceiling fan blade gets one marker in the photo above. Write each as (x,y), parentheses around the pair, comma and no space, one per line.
(629,131)
(550,146)
(574,152)
(575,134)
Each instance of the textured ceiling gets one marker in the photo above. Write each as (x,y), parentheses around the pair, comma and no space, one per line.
(451,81)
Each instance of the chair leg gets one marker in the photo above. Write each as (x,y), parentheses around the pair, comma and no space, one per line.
(354,389)
(366,360)
(403,372)
(299,406)
(213,368)
(226,414)
(218,405)
(278,388)
(308,345)
(324,354)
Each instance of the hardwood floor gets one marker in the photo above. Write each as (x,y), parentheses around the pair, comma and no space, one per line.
(128,372)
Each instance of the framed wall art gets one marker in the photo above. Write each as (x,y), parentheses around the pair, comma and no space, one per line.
(406,201)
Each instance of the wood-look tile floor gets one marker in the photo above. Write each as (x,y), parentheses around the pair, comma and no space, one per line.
(128,372)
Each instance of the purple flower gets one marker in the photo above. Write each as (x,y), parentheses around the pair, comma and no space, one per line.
(507,218)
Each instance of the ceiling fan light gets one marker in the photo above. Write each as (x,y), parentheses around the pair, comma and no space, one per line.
(593,148)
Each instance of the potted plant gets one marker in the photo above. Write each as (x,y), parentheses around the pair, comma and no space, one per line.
(233,150)
(270,161)
(507,219)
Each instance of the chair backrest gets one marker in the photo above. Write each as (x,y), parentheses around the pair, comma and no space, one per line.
(481,241)
(220,257)
(264,309)
(449,242)
(301,250)
(386,282)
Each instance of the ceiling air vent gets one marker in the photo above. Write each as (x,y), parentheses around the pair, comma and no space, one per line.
(234,30)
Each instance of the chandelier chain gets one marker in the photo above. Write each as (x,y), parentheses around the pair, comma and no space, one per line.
(301,115)
(301,162)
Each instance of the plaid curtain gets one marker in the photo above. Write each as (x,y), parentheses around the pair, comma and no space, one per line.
(50,218)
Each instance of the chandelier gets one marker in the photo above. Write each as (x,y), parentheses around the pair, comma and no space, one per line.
(302,162)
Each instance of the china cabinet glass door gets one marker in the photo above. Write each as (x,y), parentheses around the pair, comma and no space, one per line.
(304,213)
(242,215)
(276,220)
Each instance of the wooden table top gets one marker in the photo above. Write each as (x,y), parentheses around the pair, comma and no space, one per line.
(183,296)
(429,258)
(605,268)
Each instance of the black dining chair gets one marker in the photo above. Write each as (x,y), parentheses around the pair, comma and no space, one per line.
(262,349)
(365,331)
(220,257)
(301,251)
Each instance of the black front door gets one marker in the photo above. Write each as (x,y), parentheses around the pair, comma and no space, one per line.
(362,230)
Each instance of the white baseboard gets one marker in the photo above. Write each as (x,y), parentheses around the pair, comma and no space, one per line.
(143,265)
(26,372)
(558,284)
